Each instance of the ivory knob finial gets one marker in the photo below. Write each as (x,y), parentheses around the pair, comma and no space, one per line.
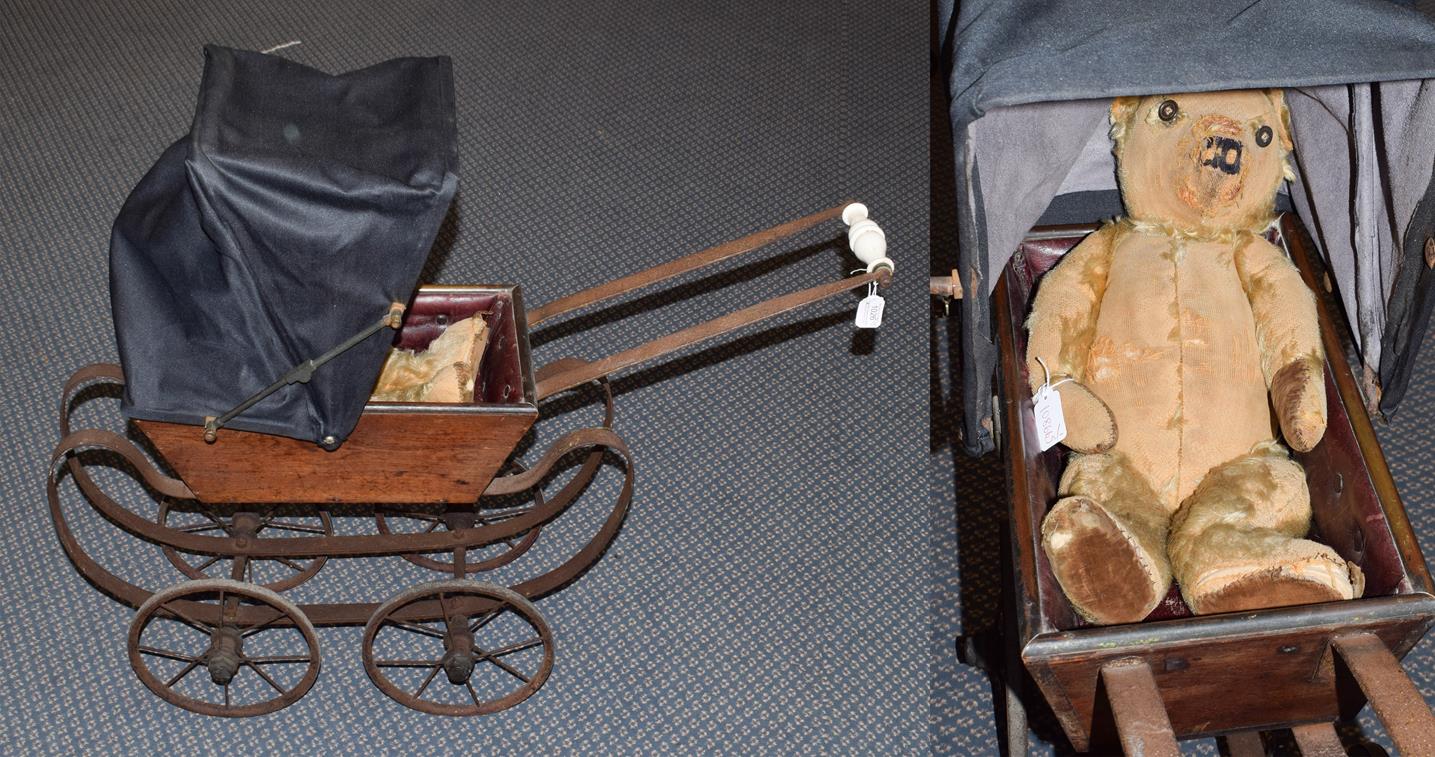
(866,238)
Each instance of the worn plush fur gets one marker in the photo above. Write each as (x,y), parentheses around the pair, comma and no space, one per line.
(444,372)
(1181,329)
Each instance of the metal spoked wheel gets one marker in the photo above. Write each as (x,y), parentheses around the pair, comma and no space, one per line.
(487,557)
(490,643)
(273,573)
(175,634)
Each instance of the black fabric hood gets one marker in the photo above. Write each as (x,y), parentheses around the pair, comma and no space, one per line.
(1011,53)
(299,206)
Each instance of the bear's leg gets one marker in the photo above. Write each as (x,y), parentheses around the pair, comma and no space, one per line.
(1236,543)
(1106,540)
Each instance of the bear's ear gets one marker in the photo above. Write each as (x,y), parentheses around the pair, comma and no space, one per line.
(1122,108)
(1278,102)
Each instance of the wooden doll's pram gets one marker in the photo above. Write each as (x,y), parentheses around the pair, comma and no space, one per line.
(254,461)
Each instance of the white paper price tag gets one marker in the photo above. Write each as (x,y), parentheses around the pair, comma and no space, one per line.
(869,311)
(1050,422)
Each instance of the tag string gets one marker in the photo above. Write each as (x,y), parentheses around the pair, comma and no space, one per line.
(1046,381)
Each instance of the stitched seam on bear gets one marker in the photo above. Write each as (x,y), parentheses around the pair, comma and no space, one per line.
(1177,253)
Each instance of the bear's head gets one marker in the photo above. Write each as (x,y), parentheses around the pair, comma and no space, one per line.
(1202,162)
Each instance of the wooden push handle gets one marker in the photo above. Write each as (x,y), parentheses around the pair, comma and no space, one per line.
(671,269)
(947,286)
(568,372)
(1394,698)
(1317,740)
(1136,706)
(866,238)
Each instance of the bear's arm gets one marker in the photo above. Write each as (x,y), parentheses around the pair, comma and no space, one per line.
(1060,331)
(1288,335)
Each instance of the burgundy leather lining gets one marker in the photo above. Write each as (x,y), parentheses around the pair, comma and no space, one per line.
(500,379)
(1347,511)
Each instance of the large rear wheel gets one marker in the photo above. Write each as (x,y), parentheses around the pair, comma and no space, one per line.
(458,647)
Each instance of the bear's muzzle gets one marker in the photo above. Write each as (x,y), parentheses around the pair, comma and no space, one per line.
(1222,154)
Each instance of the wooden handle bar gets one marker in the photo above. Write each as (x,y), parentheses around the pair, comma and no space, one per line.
(683,265)
(571,373)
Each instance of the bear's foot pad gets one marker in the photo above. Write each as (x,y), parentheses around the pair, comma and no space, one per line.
(1310,585)
(1101,567)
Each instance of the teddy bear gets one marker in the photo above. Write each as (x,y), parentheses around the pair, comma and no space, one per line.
(1181,344)
(444,371)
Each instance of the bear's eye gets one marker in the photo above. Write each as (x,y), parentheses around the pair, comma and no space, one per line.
(1168,110)
(1264,136)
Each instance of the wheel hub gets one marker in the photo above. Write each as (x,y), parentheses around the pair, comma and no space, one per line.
(244,524)
(458,655)
(225,651)
(457,520)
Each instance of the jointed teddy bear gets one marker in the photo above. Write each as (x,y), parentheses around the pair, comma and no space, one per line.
(1181,342)
(445,371)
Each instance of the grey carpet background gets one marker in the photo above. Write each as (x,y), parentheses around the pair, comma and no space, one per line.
(769,590)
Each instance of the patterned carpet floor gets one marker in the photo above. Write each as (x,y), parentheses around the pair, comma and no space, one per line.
(765,594)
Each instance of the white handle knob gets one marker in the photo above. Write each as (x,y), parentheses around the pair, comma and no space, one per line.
(866,238)
(854,213)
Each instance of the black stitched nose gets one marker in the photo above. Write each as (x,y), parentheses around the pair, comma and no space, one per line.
(1223,153)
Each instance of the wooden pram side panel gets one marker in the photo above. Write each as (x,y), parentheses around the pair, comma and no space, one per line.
(1391,556)
(398,453)
(392,457)
(1031,478)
